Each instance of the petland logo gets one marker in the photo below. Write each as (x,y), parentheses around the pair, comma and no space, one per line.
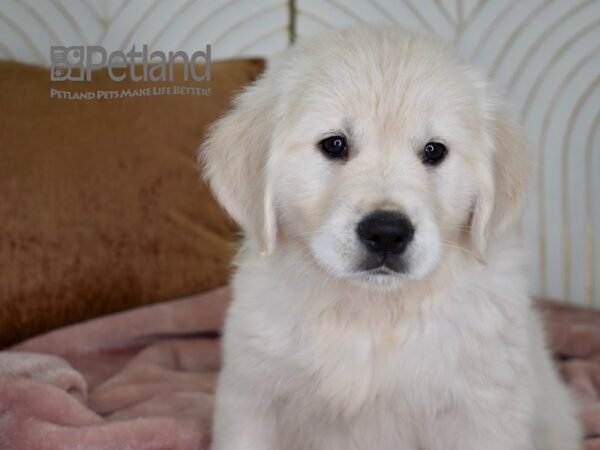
(77,63)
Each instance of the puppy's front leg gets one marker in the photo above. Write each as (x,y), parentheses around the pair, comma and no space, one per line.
(243,420)
(506,428)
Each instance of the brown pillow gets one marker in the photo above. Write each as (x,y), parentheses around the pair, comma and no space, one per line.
(102,207)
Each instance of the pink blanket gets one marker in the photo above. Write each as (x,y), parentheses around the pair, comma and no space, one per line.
(143,379)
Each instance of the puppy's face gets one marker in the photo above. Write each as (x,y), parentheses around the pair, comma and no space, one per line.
(378,157)
(375,170)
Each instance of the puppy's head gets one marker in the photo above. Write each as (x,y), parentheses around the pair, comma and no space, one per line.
(375,150)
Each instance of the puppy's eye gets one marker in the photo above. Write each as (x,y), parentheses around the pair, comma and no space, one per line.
(434,153)
(334,147)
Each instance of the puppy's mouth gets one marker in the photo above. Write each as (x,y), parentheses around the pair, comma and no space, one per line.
(384,264)
(381,273)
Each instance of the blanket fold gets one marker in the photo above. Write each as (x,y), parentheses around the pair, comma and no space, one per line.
(144,379)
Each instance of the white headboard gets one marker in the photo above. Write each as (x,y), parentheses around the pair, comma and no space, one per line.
(544,54)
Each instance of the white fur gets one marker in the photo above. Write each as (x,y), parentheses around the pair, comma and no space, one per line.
(449,355)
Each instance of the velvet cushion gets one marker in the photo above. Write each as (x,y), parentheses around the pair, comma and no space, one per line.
(102,207)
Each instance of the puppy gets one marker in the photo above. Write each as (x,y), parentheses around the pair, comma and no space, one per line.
(379,300)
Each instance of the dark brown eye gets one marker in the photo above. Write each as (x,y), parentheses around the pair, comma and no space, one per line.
(334,147)
(434,153)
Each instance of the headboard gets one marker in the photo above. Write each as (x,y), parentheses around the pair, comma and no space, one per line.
(544,54)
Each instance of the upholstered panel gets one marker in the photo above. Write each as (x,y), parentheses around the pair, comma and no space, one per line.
(544,54)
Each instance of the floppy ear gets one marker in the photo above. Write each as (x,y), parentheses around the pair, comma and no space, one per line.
(235,158)
(503,181)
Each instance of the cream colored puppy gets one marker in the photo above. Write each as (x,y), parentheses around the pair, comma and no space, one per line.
(379,301)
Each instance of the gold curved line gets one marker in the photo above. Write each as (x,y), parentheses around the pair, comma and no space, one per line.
(460,25)
(475,12)
(74,23)
(446,13)
(107,23)
(541,181)
(260,37)
(460,22)
(382,9)
(386,12)
(499,18)
(537,83)
(589,221)
(42,20)
(538,42)
(239,23)
(417,14)
(224,5)
(346,10)
(292,14)
(137,24)
(122,7)
(468,21)
(565,185)
(314,17)
(97,15)
(175,15)
(514,36)
(15,26)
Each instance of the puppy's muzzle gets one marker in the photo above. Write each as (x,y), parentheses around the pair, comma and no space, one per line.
(385,233)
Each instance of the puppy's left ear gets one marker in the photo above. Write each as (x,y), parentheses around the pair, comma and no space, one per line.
(235,156)
(503,181)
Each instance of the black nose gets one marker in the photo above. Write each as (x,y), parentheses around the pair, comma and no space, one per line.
(385,232)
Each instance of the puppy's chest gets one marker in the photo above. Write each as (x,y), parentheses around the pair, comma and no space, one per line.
(353,369)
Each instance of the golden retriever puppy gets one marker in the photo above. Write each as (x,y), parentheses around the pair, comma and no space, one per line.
(380,300)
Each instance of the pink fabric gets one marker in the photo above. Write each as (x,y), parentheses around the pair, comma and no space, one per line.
(575,337)
(139,380)
(143,379)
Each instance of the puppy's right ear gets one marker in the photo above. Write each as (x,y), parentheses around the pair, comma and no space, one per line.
(503,181)
(234,156)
